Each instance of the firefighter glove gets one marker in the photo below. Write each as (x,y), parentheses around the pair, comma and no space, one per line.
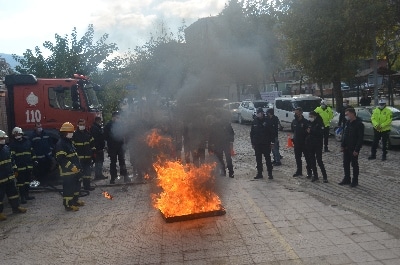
(74,169)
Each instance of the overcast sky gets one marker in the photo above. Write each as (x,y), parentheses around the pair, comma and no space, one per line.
(26,24)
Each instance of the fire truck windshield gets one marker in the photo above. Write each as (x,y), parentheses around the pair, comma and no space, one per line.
(91,96)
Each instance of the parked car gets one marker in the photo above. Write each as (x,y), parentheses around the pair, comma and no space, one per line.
(344,86)
(247,109)
(233,108)
(365,113)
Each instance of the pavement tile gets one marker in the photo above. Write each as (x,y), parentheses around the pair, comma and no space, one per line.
(382,254)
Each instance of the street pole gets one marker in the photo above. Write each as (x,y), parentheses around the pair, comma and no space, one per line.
(375,74)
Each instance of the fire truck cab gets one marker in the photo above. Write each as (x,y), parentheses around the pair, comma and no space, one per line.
(49,101)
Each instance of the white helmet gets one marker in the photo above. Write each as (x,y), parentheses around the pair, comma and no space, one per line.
(3,134)
(17,130)
(382,101)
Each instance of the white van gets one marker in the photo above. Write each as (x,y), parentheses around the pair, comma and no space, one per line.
(284,107)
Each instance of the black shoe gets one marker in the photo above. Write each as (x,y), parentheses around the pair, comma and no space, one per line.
(344,182)
(280,156)
(297,174)
(325,181)
(371,157)
(353,184)
(270,176)
(383,158)
(231,175)
(90,188)
(259,176)
(309,176)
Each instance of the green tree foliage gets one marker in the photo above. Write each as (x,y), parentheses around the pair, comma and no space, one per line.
(325,37)
(5,68)
(67,56)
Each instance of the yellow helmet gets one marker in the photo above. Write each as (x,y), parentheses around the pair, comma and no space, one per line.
(67,127)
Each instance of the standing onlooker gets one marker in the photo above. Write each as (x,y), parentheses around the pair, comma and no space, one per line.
(382,121)
(220,142)
(8,171)
(42,145)
(262,138)
(353,137)
(274,121)
(97,133)
(84,145)
(314,144)
(21,151)
(326,114)
(115,145)
(300,125)
(69,166)
(365,100)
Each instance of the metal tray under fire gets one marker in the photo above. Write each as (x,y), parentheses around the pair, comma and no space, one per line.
(193,216)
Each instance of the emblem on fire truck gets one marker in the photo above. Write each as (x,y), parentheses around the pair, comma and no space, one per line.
(32,99)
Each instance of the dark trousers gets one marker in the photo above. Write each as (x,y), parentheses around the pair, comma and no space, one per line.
(219,152)
(260,150)
(275,151)
(98,163)
(71,188)
(117,154)
(377,136)
(8,188)
(23,180)
(326,136)
(42,169)
(349,158)
(314,154)
(86,171)
(299,150)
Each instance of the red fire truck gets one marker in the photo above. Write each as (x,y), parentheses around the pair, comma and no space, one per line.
(50,101)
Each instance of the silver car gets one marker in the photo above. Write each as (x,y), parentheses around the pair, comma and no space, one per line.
(365,113)
(233,108)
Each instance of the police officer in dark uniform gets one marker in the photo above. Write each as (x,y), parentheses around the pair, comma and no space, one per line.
(8,171)
(353,137)
(97,133)
(220,142)
(84,145)
(314,145)
(21,151)
(115,143)
(300,126)
(69,167)
(262,138)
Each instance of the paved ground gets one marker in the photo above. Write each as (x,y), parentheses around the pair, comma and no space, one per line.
(280,221)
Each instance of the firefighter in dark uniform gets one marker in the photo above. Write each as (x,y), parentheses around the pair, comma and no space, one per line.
(353,137)
(69,167)
(300,126)
(97,132)
(220,142)
(21,151)
(42,145)
(115,145)
(314,145)
(8,171)
(262,138)
(84,145)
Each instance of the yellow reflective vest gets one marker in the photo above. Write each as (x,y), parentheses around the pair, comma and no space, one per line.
(382,118)
(326,115)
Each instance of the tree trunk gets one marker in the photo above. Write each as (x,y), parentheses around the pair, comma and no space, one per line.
(321,90)
(337,92)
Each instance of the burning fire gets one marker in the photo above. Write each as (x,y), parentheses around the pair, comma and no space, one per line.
(185,189)
(107,195)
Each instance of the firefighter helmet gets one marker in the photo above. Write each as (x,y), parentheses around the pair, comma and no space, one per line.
(3,134)
(17,130)
(67,127)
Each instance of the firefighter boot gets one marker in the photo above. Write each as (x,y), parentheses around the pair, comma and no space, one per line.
(79,203)
(72,208)
(22,194)
(3,217)
(19,210)
(86,184)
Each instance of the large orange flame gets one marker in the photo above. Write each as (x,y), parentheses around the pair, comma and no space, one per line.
(185,189)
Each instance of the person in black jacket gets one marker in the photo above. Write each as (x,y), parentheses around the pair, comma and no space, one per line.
(300,126)
(115,145)
(97,133)
(314,145)
(84,145)
(70,168)
(220,142)
(262,138)
(275,124)
(352,141)
(21,151)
